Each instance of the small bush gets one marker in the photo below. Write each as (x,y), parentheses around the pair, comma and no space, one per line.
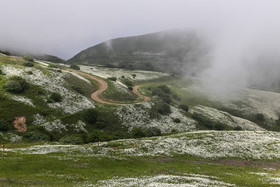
(28,64)
(13,86)
(73,66)
(260,117)
(113,78)
(28,58)
(29,72)
(128,82)
(1,72)
(133,76)
(153,131)
(5,53)
(138,133)
(238,128)
(184,107)
(38,136)
(90,116)
(96,136)
(164,109)
(164,89)
(78,89)
(21,81)
(177,120)
(4,125)
(72,139)
(55,97)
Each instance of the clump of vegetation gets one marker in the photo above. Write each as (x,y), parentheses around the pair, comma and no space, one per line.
(72,139)
(5,53)
(138,133)
(112,78)
(133,76)
(55,97)
(39,136)
(128,83)
(90,116)
(28,58)
(73,66)
(1,72)
(162,92)
(205,123)
(159,108)
(177,120)
(153,131)
(78,89)
(184,107)
(16,84)
(4,125)
(96,136)
(29,72)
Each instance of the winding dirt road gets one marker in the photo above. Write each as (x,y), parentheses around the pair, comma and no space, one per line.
(104,86)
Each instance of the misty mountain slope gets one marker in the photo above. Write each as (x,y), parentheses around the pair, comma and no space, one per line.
(173,51)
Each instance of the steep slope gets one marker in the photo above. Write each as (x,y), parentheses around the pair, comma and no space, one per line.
(171,51)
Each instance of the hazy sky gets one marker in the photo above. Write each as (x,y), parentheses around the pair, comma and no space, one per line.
(65,27)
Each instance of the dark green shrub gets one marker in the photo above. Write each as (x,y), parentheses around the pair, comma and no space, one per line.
(29,72)
(21,81)
(4,125)
(184,107)
(164,109)
(28,58)
(1,72)
(55,97)
(177,120)
(153,131)
(13,86)
(138,133)
(113,78)
(128,82)
(90,116)
(6,53)
(219,126)
(72,139)
(260,117)
(238,128)
(38,136)
(133,76)
(78,89)
(73,66)
(164,89)
(28,64)
(96,136)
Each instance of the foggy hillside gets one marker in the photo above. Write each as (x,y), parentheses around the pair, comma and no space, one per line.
(173,51)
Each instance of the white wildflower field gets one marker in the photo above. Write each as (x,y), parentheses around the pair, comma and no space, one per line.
(104,72)
(137,116)
(205,144)
(165,181)
(53,82)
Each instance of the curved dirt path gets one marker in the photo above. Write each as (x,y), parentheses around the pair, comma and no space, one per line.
(135,90)
(103,86)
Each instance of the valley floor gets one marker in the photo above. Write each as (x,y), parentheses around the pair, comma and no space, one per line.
(201,158)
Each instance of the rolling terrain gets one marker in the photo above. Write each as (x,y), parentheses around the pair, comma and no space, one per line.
(99,126)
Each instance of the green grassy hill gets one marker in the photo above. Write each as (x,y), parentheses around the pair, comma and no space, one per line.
(171,51)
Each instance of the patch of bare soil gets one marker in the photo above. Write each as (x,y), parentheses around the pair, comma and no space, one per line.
(20,123)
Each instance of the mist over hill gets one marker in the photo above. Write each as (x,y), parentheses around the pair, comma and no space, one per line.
(173,51)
